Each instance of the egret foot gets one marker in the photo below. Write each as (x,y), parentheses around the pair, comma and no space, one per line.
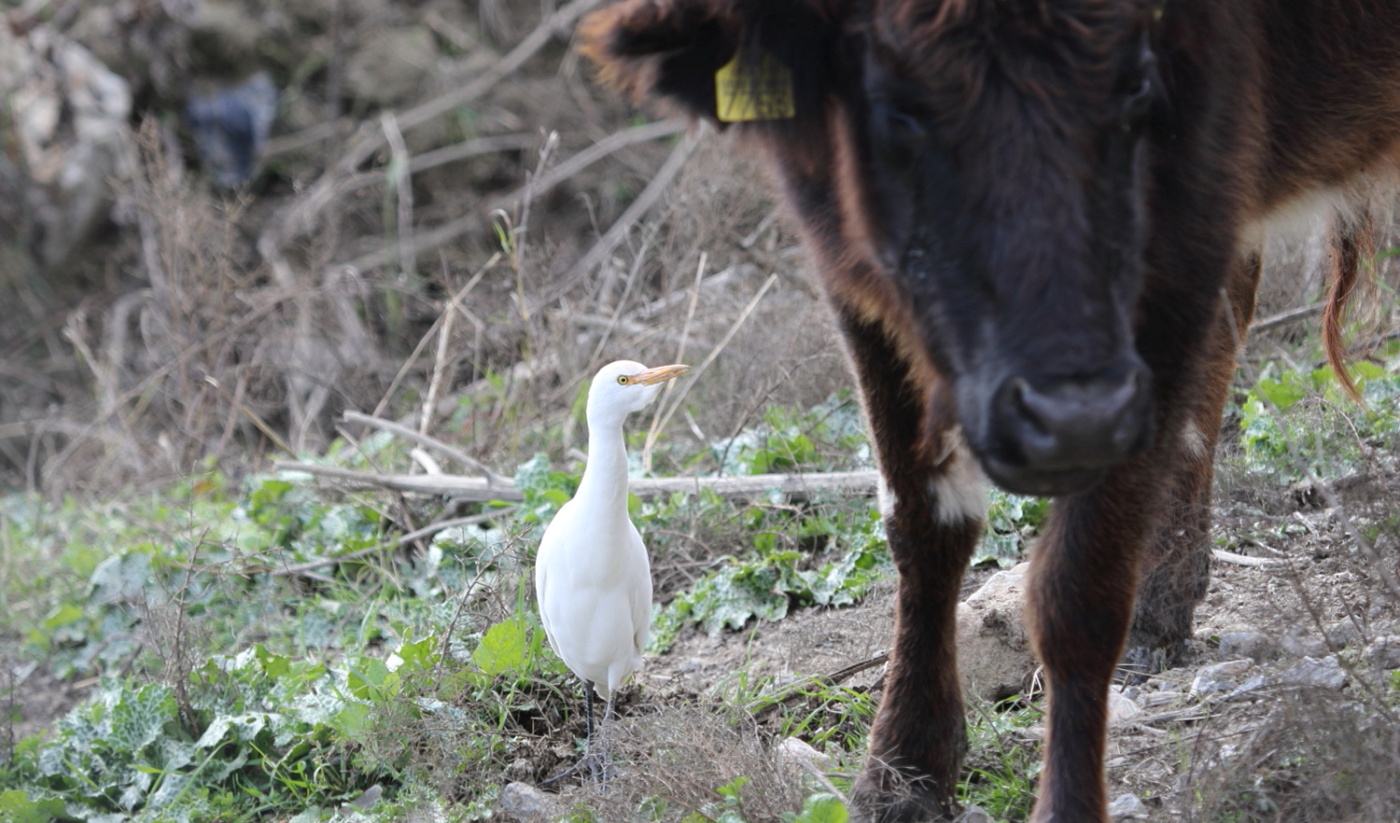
(595,759)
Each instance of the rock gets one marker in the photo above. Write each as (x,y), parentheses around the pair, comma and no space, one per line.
(994,653)
(1127,807)
(1121,708)
(1257,646)
(974,814)
(66,119)
(1325,673)
(230,127)
(1219,677)
(392,68)
(1253,684)
(1297,643)
(795,751)
(1384,652)
(1342,634)
(527,804)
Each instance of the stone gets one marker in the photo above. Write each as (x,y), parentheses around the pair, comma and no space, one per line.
(526,804)
(1127,807)
(1342,634)
(1121,708)
(230,126)
(994,651)
(1297,643)
(795,751)
(66,118)
(1384,652)
(1219,677)
(1253,684)
(974,814)
(1324,673)
(1257,646)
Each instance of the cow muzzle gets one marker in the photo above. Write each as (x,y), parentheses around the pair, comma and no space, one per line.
(1059,435)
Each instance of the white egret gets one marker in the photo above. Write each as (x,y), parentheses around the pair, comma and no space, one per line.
(592,574)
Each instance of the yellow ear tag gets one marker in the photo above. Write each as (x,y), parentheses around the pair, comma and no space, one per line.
(748,90)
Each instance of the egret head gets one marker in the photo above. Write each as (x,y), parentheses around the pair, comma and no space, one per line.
(625,386)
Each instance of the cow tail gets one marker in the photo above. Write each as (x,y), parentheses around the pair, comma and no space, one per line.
(1353,245)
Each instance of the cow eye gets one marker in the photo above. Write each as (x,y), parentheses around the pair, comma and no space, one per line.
(899,136)
(1138,105)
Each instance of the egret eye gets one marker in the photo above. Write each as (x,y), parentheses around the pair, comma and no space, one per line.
(623,380)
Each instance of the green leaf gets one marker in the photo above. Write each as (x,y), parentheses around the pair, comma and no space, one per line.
(504,648)
(367,680)
(1282,393)
(139,717)
(418,656)
(823,808)
(16,807)
(63,616)
(733,787)
(354,721)
(273,665)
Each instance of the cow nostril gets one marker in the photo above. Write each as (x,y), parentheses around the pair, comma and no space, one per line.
(1073,422)
(1018,400)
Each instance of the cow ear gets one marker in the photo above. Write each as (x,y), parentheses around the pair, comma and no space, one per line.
(666,49)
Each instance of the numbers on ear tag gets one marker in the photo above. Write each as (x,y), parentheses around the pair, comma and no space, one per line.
(748,90)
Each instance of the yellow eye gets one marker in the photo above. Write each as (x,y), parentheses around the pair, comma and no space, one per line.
(623,380)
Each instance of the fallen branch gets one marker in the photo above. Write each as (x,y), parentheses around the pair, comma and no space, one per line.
(493,479)
(476,489)
(1245,560)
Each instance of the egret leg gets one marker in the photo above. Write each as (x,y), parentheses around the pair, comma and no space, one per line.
(587,741)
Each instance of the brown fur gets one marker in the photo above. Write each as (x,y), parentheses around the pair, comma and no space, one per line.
(1037,223)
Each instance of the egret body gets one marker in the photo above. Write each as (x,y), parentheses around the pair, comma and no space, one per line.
(592,574)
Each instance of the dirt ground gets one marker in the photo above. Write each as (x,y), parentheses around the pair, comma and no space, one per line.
(1314,594)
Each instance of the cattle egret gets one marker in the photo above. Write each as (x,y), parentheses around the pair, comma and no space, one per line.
(592,575)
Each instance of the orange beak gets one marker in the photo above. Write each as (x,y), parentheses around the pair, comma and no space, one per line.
(660,374)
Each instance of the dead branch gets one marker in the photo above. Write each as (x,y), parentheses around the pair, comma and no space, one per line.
(1245,560)
(493,480)
(476,489)
(639,207)
(1286,317)
(446,233)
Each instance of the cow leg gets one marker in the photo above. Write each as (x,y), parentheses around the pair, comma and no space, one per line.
(1176,568)
(1080,602)
(933,502)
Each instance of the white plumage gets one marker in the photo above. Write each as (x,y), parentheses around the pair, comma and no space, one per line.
(592,574)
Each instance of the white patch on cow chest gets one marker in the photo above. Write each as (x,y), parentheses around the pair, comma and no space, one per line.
(960,488)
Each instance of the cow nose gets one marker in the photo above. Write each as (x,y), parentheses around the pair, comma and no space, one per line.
(1076,423)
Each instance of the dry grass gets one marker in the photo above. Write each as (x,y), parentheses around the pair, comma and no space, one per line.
(673,758)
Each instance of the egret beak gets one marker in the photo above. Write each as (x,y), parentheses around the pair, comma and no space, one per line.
(660,374)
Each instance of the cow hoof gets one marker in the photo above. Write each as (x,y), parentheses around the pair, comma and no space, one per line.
(907,806)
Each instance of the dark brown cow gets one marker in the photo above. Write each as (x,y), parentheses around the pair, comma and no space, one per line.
(1038,223)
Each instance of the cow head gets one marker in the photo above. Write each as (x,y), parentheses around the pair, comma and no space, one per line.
(983,161)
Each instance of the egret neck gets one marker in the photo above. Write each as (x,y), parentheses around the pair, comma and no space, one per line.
(603,487)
